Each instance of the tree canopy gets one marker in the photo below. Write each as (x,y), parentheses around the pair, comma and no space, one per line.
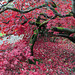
(48,44)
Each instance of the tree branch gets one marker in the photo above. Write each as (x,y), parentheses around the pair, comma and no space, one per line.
(61,29)
(6,3)
(22,11)
(64,32)
(73,8)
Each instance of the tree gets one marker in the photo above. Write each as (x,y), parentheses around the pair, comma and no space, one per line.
(42,50)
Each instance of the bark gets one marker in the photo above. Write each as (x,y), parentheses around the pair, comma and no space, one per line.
(73,8)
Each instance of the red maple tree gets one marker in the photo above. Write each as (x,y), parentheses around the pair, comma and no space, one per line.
(47,47)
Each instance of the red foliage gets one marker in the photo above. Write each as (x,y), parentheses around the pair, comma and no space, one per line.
(57,57)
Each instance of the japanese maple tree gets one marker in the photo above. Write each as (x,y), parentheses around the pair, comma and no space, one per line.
(48,44)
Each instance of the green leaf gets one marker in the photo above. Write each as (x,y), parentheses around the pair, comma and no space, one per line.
(2,34)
